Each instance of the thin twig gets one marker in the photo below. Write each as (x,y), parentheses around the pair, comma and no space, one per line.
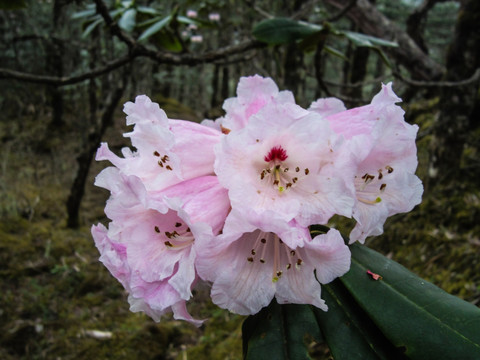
(343,11)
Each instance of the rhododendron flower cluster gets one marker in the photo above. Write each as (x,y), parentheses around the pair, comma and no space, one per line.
(231,201)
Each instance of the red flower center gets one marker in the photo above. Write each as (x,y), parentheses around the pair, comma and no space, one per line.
(276,153)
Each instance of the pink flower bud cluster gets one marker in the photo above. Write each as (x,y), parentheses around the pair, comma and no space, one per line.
(230,201)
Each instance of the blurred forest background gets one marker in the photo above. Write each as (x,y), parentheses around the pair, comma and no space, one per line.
(66,68)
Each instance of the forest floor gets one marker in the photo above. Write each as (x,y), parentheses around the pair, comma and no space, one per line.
(59,302)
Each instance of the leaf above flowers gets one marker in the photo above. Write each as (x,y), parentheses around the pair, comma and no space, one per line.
(284,30)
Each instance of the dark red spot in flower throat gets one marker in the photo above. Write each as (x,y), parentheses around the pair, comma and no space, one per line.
(276,153)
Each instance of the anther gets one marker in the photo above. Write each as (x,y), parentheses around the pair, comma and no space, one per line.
(382,187)
(263,241)
(294,180)
(165,158)
(168,167)
(160,163)
(307,171)
(178,224)
(389,169)
(380,175)
(157,229)
(285,170)
(288,185)
(299,262)
(262,261)
(289,266)
(168,243)
(276,182)
(188,229)
(279,273)
(250,259)
(156,153)
(253,252)
(297,169)
(292,252)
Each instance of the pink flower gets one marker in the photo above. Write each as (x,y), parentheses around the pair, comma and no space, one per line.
(252,266)
(286,162)
(214,17)
(192,14)
(253,93)
(384,144)
(150,244)
(168,151)
(196,38)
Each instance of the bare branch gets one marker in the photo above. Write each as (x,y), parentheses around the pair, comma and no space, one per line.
(343,11)
(475,77)
(61,81)
(114,28)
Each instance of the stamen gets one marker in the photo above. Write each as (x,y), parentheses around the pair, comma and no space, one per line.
(168,243)
(382,187)
(156,153)
(297,169)
(370,202)
(160,163)
(157,229)
(178,224)
(168,167)
(307,171)
(389,169)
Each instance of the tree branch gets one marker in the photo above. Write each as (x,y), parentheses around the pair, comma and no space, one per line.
(343,11)
(65,80)
(475,77)
(373,22)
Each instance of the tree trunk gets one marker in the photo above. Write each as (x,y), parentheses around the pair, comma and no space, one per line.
(372,22)
(459,106)
(84,160)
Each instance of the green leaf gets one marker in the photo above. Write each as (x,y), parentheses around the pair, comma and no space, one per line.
(283,30)
(83,14)
(280,332)
(412,313)
(334,52)
(348,331)
(127,21)
(166,39)
(91,27)
(159,25)
(147,10)
(366,40)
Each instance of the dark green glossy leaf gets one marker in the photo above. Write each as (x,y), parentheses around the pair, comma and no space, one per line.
(283,30)
(153,29)
(127,20)
(412,313)
(348,331)
(367,40)
(84,13)
(280,332)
